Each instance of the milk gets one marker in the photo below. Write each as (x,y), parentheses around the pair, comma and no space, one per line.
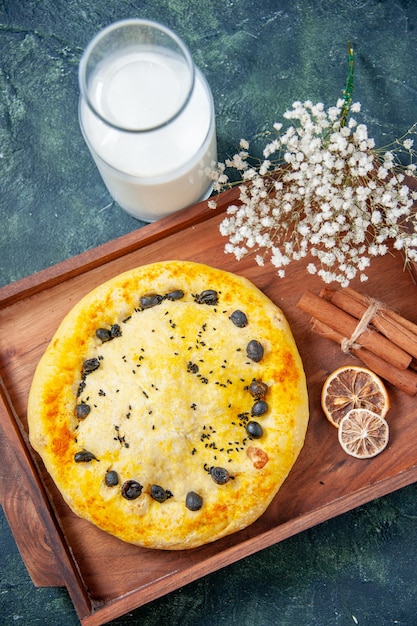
(150,173)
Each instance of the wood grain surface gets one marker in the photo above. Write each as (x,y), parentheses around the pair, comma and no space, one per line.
(104,576)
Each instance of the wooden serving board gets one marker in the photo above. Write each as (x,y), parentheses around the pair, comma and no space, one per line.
(104,576)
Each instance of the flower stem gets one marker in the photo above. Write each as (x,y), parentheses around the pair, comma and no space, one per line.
(348,91)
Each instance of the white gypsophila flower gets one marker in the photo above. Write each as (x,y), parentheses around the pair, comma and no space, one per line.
(226,227)
(337,198)
(388,159)
(333,114)
(265,167)
(238,161)
(376,217)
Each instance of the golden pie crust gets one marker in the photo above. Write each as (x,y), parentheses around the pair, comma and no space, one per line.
(170,405)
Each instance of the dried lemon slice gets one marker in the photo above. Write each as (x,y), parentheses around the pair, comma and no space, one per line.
(353,387)
(363,434)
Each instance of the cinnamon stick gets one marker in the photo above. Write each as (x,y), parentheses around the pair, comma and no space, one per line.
(345,324)
(405,380)
(406,325)
(348,301)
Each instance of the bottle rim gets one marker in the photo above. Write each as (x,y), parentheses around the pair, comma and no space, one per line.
(106,32)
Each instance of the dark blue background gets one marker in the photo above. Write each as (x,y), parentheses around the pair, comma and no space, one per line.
(258,56)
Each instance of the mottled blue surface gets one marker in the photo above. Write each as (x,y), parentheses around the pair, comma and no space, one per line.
(258,56)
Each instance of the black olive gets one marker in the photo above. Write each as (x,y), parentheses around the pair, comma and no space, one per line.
(150,300)
(84,456)
(131,489)
(220,475)
(209,296)
(115,331)
(239,319)
(111,478)
(258,389)
(177,294)
(259,408)
(103,334)
(193,501)
(90,365)
(254,350)
(159,494)
(254,430)
(82,410)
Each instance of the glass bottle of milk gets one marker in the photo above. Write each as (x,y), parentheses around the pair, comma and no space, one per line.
(147,115)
